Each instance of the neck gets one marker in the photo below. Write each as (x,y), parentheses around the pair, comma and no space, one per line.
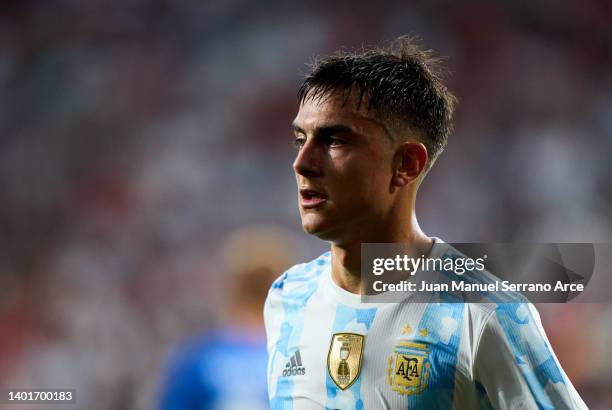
(346,258)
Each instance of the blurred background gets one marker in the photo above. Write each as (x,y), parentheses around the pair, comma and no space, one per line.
(139,139)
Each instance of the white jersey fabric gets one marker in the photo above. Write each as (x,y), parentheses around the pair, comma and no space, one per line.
(414,356)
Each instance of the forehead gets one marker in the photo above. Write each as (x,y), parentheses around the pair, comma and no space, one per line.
(335,108)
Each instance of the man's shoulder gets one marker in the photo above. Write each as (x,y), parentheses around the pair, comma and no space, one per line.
(478,283)
(302,274)
(295,286)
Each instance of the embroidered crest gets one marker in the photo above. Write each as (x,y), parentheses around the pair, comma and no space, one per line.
(408,369)
(344,358)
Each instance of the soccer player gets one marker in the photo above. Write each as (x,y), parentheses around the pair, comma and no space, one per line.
(225,367)
(369,127)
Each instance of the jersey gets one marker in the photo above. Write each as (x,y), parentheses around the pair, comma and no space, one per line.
(220,370)
(328,350)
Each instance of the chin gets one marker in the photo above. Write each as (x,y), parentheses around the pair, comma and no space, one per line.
(319,228)
(311,228)
(314,224)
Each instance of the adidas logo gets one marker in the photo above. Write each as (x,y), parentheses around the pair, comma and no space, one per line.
(294,366)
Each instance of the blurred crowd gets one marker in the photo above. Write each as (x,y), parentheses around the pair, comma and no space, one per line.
(136,135)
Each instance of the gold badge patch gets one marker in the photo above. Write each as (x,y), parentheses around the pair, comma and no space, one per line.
(344,358)
(409,368)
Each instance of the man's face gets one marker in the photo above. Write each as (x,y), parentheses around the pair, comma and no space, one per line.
(343,169)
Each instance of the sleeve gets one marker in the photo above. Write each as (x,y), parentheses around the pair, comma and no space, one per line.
(515,365)
(271,317)
(273,321)
(273,309)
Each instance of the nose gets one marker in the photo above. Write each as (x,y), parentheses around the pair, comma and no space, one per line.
(308,160)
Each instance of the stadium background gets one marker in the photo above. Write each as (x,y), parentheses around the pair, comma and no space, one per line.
(135,135)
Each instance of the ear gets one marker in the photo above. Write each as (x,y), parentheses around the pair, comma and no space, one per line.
(410,159)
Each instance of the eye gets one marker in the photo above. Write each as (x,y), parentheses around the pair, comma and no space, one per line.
(299,142)
(334,141)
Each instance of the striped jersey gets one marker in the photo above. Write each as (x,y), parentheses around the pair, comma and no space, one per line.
(328,350)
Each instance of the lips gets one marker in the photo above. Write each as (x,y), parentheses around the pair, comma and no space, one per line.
(309,198)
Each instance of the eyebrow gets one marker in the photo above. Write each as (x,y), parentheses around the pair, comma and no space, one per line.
(326,129)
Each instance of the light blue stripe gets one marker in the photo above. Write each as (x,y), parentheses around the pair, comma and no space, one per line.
(442,358)
(294,304)
(508,304)
(344,316)
(536,350)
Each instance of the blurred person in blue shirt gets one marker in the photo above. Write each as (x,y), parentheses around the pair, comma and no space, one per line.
(225,368)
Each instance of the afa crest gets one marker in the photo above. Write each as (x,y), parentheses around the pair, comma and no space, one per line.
(408,369)
(344,358)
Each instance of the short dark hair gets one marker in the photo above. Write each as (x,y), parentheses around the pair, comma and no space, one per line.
(402,85)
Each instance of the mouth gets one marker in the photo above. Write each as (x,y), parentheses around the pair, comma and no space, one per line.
(310,198)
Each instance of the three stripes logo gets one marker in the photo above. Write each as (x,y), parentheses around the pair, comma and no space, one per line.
(294,366)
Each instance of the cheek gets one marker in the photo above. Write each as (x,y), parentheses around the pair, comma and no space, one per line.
(366,184)
(361,172)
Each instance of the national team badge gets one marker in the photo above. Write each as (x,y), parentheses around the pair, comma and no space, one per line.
(409,368)
(344,358)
